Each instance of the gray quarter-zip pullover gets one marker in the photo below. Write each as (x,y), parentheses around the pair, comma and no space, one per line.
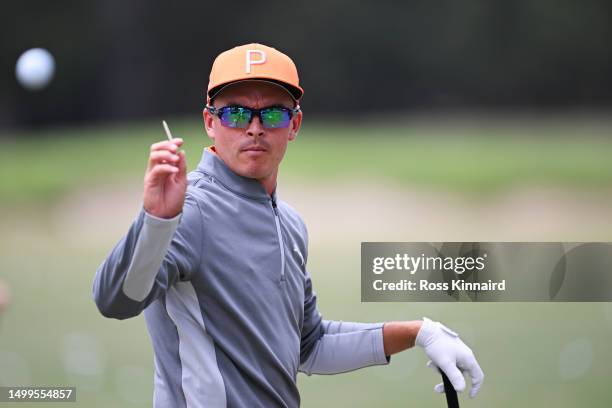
(227,298)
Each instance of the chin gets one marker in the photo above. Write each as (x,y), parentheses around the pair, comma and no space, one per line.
(253,170)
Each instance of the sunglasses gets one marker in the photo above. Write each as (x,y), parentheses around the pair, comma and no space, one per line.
(271,117)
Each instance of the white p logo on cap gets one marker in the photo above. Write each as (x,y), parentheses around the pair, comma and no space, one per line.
(250,61)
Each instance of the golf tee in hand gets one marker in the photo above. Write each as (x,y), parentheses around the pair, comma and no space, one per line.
(165,180)
(448,353)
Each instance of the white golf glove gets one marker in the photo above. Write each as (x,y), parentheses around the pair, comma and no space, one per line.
(446,351)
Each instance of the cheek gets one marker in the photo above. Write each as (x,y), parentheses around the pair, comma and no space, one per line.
(280,143)
(278,148)
(228,140)
(281,149)
(228,147)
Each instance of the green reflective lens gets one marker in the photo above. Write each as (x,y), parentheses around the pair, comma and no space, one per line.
(237,116)
(274,117)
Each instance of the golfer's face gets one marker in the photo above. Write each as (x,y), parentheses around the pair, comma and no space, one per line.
(254,152)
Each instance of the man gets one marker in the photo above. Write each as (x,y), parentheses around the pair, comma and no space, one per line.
(218,262)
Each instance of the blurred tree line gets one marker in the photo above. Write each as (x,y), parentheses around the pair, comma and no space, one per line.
(120,60)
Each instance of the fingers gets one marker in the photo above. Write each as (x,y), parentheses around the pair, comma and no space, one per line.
(167,152)
(163,156)
(458,384)
(167,145)
(454,375)
(477,378)
(160,171)
(476,375)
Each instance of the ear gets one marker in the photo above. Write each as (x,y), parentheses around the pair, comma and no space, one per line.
(296,122)
(208,123)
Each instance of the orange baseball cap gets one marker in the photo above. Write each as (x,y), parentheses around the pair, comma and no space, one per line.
(254,62)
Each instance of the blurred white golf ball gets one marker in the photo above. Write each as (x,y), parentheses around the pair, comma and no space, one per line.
(35,69)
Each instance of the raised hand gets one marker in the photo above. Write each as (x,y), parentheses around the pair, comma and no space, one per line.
(165,180)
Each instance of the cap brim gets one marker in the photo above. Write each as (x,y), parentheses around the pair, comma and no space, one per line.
(294,92)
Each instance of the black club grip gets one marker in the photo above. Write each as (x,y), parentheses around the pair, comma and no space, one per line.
(451,395)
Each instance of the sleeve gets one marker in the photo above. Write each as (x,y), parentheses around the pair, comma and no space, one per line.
(155,254)
(332,347)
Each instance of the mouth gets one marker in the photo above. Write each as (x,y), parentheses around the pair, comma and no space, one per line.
(254,149)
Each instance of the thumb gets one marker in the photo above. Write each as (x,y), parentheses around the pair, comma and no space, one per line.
(439,388)
(454,375)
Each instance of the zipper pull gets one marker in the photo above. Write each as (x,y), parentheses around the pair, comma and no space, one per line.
(296,249)
(274,206)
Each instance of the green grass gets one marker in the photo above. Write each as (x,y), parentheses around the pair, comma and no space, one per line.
(41,166)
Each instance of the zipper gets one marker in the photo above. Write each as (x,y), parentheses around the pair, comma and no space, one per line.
(297,251)
(280,237)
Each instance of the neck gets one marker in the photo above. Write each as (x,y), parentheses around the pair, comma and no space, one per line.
(269,183)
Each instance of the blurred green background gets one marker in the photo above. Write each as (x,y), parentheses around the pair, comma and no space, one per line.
(68,195)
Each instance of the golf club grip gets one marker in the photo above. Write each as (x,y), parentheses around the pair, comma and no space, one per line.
(451,395)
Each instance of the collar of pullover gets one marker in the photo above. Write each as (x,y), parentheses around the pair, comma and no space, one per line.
(213,165)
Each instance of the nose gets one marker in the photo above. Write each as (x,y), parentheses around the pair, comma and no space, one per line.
(255,128)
